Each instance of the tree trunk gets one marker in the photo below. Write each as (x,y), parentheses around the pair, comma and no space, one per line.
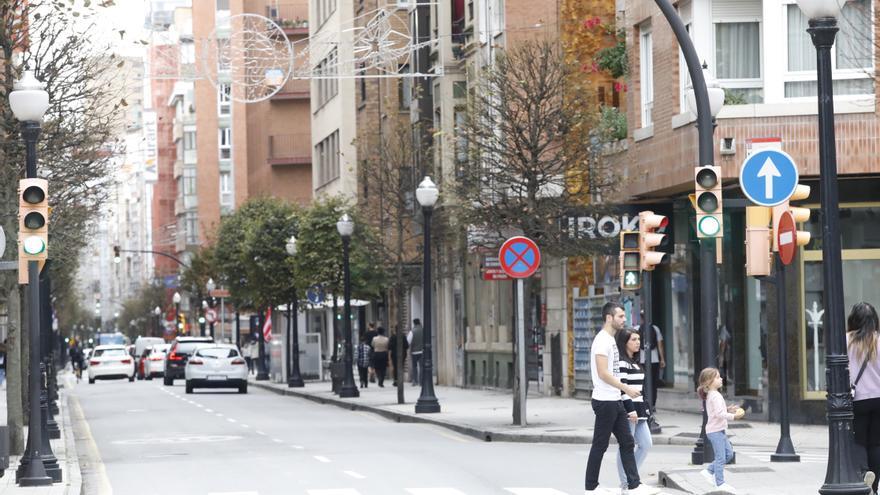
(15,415)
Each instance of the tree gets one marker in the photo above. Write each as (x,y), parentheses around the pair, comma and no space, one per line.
(75,148)
(194,278)
(137,317)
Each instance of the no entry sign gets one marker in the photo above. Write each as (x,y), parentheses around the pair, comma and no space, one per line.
(520,257)
(786,236)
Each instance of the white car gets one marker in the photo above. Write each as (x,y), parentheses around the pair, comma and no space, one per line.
(110,361)
(216,366)
(154,362)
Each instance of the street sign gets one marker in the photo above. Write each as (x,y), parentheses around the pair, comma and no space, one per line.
(768,177)
(218,293)
(210,315)
(315,294)
(520,257)
(785,237)
(491,269)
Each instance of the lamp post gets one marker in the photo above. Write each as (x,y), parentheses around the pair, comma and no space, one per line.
(202,319)
(346,227)
(211,286)
(706,154)
(176,299)
(29,101)
(294,377)
(427,194)
(157,311)
(842,475)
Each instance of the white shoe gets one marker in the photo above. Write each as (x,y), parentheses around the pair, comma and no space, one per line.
(709,477)
(644,489)
(600,491)
(724,487)
(869,478)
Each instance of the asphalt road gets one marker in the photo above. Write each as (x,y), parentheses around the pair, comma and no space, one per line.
(145,438)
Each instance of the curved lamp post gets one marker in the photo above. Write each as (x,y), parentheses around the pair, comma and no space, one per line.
(427,194)
(29,102)
(345,226)
(294,377)
(842,475)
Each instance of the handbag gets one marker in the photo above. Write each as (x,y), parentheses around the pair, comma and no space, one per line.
(852,387)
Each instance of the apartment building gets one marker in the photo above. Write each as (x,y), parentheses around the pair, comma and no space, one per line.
(760,52)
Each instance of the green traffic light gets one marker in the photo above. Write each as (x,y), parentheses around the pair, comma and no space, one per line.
(709,226)
(630,280)
(33,245)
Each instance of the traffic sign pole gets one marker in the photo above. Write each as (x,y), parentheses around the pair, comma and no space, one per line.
(784,449)
(522,380)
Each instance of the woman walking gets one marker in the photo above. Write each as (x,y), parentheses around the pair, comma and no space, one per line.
(632,374)
(363,360)
(380,355)
(862,332)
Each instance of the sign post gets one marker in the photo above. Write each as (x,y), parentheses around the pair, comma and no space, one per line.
(520,258)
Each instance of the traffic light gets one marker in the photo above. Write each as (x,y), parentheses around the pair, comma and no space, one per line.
(800,215)
(630,261)
(33,223)
(181,323)
(707,184)
(116,257)
(758,254)
(649,239)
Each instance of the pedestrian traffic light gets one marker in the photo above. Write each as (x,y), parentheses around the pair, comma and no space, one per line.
(707,185)
(800,215)
(116,257)
(649,239)
(758,254)
(630,261)
(33,218)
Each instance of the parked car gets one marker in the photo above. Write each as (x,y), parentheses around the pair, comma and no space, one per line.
(110,361)
(140,346)
(154,361)
(178,354)
(216,366)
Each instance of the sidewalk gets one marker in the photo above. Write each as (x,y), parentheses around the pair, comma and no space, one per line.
(487,415)
(64,449)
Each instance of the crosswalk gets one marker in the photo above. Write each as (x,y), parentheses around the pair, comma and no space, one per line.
(417,491)
(764,455)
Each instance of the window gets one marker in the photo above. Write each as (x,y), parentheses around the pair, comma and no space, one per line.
(328,85)
(225,143)
(189,181)
(324,9)
(222,4)
(225,189)
(851,55)
(189,140)
(404,88)
(737,38)
(224,98)
(191,224)
(646,73)
(362,82)
(328,159)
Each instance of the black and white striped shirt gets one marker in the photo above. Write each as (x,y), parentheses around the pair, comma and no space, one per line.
(633,375)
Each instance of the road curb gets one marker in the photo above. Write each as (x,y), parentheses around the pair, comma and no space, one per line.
(74,475)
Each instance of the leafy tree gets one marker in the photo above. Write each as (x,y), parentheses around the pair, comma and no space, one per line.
(194,279)
(137,317)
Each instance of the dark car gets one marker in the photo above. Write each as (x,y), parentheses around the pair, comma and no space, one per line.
(181,349)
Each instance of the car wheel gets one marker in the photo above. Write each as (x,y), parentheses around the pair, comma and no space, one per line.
(131,378)
(91,381)
(242,389)
(168,381)
(189,387)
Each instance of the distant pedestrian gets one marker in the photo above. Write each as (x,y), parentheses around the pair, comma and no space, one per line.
(380,355)
(416,348)
(399,346)
(611,417)
(632,374)
(863,332)
(364,353)
(254,353)
(718,413)
(658,356)
(3,364)
(369,335)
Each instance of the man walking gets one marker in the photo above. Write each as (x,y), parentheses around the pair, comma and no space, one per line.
(416,347)
(611,417)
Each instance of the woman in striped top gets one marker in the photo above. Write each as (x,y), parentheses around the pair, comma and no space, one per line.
(632,374)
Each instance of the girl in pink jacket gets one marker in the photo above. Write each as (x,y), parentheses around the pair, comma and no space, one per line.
(718,414)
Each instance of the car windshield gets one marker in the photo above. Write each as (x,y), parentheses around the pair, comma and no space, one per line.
(187,347)
(217,352)
(110,353)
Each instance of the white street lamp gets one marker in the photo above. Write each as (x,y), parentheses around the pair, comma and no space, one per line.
(821,9)
(345,226)
(176,298)
(716,94)
(427,193)
(291,245)
(210,286)
(28,100)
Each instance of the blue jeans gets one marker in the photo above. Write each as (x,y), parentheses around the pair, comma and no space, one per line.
(416,368)
(642,435)
(723,455)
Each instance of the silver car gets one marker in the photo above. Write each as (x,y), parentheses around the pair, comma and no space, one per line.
(216,366)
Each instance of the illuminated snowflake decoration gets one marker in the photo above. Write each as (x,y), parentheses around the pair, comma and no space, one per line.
(250,53)
(379,46)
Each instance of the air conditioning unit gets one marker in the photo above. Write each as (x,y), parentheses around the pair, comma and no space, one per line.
(727,146)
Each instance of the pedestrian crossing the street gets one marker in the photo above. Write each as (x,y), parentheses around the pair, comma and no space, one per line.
(764,455)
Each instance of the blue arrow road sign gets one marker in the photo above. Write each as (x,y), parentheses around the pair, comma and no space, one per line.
(315,294)
(768,177)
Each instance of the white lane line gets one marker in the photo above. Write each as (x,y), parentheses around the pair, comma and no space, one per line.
(277,440)
(219,415)
(233,493)
(244,426)
(297,447)
(230,420)
(434,491)
(209,410)
(535,491)
(321,458)
(335,491)
(260,433)
(355,475)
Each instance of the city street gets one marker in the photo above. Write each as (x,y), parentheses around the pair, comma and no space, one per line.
(144,438)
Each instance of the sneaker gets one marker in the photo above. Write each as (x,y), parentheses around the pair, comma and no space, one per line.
(869,478)
(709,477)
(644,489)
(600,491)
(724,487)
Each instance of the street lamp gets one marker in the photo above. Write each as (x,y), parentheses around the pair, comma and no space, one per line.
(842,476)
(716,94)
(346,227)
(158,312)
(294,378)
(427,194)
(176,300)
(203,319)
(29,102)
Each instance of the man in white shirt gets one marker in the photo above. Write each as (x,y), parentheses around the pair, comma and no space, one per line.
(611,417)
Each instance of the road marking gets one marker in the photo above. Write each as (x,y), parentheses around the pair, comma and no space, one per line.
(244,426)
(335,491)
(355,475)
(434,491)
(535,491)
(233,493)
(219,415)
(321,458)
(97,475)
(452,436)
(209,410)
(277,440)
(260,432)
(297,447)
(230,420)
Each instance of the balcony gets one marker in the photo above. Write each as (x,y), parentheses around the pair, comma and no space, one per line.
(178,169)
(294,89)
(290,149)
(292,16)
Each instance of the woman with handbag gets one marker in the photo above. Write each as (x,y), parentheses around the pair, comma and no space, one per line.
(863,333)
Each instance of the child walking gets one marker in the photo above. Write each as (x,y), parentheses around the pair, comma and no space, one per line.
(718,414)
(364,353)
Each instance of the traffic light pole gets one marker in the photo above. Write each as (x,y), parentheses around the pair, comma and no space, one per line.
(648,327)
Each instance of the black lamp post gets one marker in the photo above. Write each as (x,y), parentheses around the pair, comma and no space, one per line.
(157,311)
(203,320)
(427,194)
(29,101)
(210,285)
(177,325)
(842,476)
(294,377)
(346,227)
